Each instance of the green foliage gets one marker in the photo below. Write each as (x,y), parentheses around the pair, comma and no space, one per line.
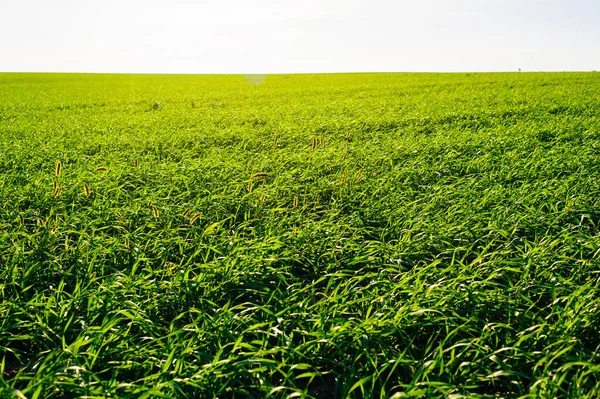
(373,235)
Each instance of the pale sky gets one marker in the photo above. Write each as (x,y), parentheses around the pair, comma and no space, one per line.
(269,36)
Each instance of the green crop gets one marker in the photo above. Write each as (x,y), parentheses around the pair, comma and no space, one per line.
(318,236)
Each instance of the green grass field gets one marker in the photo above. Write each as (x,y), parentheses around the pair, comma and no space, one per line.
(325,236)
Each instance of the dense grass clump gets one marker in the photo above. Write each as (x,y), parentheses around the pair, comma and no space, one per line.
(324,236)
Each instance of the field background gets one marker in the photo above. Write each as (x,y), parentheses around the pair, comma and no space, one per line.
(361,235)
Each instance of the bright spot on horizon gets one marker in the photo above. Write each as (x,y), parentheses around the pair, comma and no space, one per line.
(236,36)
(256,79)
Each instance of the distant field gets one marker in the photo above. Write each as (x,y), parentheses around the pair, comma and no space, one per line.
(324,236)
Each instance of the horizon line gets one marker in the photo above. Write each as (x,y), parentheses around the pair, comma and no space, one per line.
(292,73)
